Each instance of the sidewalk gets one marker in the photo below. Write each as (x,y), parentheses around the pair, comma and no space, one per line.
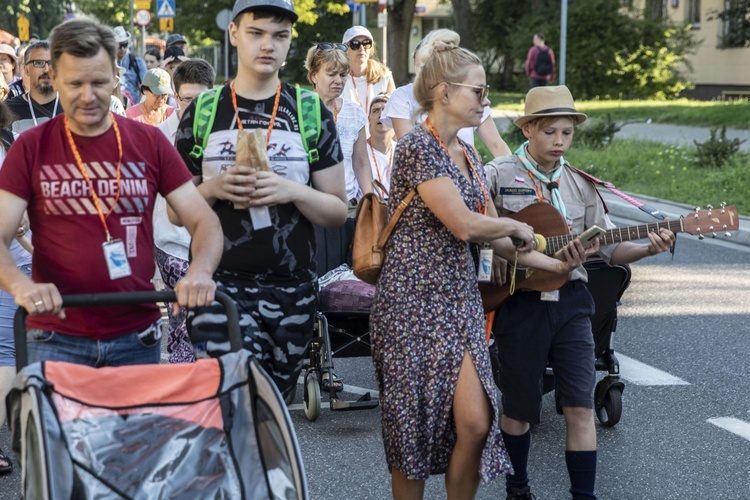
(657,132)
(669,134)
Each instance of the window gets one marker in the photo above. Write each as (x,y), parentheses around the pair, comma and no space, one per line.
(736,26)
(694,14)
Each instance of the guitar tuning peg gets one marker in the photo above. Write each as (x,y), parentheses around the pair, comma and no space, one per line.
(723,204)
(697,209)
(713,235)
(709,207)
(700,236)
(727,234)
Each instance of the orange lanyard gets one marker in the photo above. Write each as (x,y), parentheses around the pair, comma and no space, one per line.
(273,113)
(356,93)
(82,168)
(481,207)
(375,162)
(335,113)
(539,192)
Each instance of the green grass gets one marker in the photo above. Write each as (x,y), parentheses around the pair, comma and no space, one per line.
(662,171)
(733,113)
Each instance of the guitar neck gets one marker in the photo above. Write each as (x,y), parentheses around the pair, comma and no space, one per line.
(617,235)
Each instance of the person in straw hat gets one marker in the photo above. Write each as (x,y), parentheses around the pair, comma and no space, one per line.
(532,327)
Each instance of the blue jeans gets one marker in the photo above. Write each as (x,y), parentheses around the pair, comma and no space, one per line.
(136,348)
(7,312)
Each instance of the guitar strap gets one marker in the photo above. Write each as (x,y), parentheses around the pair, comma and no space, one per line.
(611,187)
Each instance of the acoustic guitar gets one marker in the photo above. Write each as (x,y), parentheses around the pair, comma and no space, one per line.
(548,222)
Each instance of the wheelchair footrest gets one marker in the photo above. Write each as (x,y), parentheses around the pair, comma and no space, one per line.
(363,403)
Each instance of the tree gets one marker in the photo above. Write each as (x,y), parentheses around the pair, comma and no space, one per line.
(400,16)
(736,18)
(42,16)
(462,18)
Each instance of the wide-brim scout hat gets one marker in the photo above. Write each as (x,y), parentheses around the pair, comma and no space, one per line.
(285,7)
(549,101)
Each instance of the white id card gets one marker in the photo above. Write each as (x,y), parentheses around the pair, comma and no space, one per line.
(117,260)
(261,217)
(550,296)
(484,273)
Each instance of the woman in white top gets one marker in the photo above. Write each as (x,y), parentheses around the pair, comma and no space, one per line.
(368,77)
(327,67)
(380,144)
(401,110)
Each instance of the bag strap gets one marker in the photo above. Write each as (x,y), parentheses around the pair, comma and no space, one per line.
(205,114)
(611,187)
(308,112)
(396,216)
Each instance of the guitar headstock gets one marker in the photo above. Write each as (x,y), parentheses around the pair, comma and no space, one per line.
(711,221)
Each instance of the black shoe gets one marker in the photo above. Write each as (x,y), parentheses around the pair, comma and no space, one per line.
(520,494)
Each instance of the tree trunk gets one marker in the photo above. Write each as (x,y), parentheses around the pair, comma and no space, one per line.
(462,17)
(507,79)
(400,15)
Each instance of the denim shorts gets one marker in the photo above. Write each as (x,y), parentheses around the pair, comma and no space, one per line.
(137,348)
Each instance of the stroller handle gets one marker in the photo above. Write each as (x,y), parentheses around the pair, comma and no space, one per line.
(122,298)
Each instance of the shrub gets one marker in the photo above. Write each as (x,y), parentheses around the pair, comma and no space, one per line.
(717,151)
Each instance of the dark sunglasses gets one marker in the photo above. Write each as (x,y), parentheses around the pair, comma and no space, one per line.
(484,90)
(124,45)
(355,44)
(331,46)
(39,63)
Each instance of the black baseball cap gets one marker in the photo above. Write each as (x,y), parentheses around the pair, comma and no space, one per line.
(285,7)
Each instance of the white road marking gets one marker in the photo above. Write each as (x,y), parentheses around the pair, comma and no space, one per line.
(639,373)
(733,425)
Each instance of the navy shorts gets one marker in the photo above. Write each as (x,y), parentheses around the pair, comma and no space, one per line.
(530,333)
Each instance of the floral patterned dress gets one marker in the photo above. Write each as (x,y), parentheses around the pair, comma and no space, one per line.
(427,314)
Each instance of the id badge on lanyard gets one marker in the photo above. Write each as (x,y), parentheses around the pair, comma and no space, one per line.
(117,259)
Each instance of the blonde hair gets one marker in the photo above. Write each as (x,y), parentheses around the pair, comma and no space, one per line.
(427,45)
(448,63)
(544,121)
(318,59)
(376,70)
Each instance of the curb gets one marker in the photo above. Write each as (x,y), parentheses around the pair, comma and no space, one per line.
(624,210)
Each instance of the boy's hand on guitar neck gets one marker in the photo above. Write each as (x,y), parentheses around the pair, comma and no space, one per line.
(573,255)
(661,241)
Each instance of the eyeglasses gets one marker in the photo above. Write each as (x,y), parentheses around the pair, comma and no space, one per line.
(39,63)
(331,46)
(484,89)
(124,45)
(186,100)
(355,44)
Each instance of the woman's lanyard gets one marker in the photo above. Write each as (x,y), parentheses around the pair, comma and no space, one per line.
(367,92)
(335,113)
(273,113)
(82,168)
(481,207)
(377,165)
(31,108)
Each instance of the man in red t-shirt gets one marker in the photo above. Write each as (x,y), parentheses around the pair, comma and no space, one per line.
(540,62)
(88,180)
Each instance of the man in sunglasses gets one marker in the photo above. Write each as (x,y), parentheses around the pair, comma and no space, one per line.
(41,102)
(135,67)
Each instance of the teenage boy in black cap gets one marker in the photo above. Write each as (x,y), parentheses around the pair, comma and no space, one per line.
(268,265)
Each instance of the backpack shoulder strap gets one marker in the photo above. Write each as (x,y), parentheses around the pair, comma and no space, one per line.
(203,121)
(308,116)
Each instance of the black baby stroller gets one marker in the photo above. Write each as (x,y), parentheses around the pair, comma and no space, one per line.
(217,428)
(606,284)
(342,329)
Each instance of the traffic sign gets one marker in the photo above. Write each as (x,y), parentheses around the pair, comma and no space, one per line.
(142,17)
(223,18)
(166,24)
(165,8)
(23,28)
(143,4)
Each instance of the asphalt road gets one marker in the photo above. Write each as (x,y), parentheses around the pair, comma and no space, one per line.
(685,317)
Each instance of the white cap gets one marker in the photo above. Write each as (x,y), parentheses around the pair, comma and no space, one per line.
(121,35)
(356,31)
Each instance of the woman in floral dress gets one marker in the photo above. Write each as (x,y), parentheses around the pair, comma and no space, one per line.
(438,399)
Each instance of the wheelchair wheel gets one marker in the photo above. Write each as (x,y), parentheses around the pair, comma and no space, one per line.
(610,409)
(311,398)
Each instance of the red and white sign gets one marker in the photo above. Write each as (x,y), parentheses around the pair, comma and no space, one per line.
(143,17)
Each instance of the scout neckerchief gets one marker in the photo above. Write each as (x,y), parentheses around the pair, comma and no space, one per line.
(551,183)
(273,113)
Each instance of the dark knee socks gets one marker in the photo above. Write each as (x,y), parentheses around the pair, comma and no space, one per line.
(582,472)
(518,451)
